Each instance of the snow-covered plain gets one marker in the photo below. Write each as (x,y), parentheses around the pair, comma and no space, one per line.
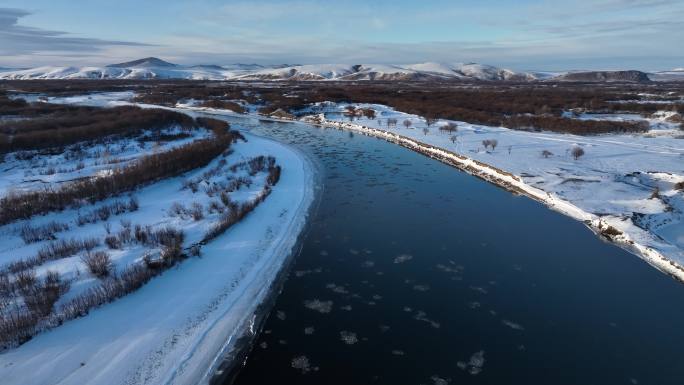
(173,328)
(626,182)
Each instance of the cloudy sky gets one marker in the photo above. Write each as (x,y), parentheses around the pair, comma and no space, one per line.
(521,34)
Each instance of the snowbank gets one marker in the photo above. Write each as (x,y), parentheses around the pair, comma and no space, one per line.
(172,329)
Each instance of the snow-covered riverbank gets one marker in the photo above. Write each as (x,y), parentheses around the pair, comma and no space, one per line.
(173,328)
(624,188)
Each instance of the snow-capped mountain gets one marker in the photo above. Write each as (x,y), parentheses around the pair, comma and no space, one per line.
(154,68)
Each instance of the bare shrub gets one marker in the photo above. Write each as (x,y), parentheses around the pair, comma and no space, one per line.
(197,211)
(112,241)
(125,235)
(98,263)
(256,164)
(216,207)
(546,153)
(368,113)
(177,209)
(65,248)
(133,204)
(655,194)
(32,234)
(273,175)
(223,105)
(41,299)
(104,212)
(142,234)
(577,152)
(25,280)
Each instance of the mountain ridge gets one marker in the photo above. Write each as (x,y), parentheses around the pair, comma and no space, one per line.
(156,68)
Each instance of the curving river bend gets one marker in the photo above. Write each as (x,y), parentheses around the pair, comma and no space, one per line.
(415,273)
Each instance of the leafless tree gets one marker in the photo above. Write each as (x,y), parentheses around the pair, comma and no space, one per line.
(454,138)
(407,123)
(449,127)
(429,120)
(426,131)
(577,152)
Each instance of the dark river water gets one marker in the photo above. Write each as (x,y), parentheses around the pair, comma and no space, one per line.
(415,273)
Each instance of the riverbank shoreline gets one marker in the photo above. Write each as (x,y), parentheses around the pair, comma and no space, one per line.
(602,228)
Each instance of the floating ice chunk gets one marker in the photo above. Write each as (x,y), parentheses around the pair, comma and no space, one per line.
(512,325)
(348,338)
(479,289)
(440,381)
(309,330)
(302,364)
(337,288)
(474,365)
(318,305)
(422,316)
(403,258)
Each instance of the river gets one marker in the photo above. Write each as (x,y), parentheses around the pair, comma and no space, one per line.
(415,273)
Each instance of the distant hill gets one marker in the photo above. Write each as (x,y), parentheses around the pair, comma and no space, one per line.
(144,62)
(605,76)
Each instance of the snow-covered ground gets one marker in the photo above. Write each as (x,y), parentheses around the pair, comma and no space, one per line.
(173,328)
(623,181)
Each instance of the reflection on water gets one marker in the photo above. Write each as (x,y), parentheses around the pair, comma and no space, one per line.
(415,273)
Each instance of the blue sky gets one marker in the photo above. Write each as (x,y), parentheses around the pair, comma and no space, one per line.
(523,34)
